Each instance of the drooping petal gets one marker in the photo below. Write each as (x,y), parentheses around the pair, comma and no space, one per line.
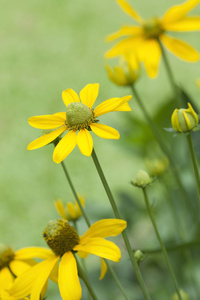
(60,208)
(150,54)
(33,252)
(110,105)
(100,247)
(42,277)
(18,267)
(54,273)
(89,93)
(70,96)
(104,131)
(129,10)
(71,210)
(24,283)
(179,11)
(46,138)
(180,48)
(185,24)
(6,278)
(65,146)
(125,30)
(68,280)
(103,269)
(85,142)
(48,121)
(104,228)
(127,45)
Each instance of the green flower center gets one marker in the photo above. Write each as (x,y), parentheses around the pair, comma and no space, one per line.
(152,28)
(6,255)
(79,116)
(60,236)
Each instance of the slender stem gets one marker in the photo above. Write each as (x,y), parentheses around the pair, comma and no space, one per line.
(124,234)
(86,281)
(166,151)
(194,161)
(89,224)
(170,75)
(161,243)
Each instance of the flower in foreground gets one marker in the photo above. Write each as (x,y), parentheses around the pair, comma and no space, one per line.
(184,120)
(79,117)
(64,242)
(10,265)
(72,211)
(143,40)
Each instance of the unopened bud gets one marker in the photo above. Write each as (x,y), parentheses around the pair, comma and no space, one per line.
(184,120)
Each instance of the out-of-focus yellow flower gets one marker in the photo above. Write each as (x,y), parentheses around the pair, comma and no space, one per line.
(79,117)
(157,166)
(72,211)
(184,120)
(64,240)
(183,294)
(198,82)
(143,39)
(142,179)
(126,73)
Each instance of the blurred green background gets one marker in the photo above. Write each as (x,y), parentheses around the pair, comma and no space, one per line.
(49,46)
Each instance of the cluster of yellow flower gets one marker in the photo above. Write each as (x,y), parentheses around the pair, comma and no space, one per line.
(20,275)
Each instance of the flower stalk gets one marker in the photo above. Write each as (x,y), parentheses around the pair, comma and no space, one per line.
(124,234)
(161,243)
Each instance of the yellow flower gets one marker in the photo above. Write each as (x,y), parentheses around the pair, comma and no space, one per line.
(143,39)
(126,73)
(184,120)
(11,264)
(72,211)
(79,117)
(157,166)
(64,240)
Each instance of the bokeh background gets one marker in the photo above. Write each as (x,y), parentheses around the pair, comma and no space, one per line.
(49,46)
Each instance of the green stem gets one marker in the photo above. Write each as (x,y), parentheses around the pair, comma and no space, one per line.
(86,281)
(89,224)
(194,161)
(170,75)
(166,151)
(161,243)
(124,234)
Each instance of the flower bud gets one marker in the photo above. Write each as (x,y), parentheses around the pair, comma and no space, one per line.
(184,296)
(142,179)
(139,256)
(157,166)
(184,120)
(126,73)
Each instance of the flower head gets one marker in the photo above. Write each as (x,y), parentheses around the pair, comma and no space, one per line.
(126,73)
(79,118)
(143,38)
(64,242)
(184,120)
(72,211)
(142,179)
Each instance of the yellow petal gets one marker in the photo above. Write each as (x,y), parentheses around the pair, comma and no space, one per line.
(68,280)
(185,24)
(105,228)
(180,48)
(46,138)
(150,54)
(100,247)
(82,200)
(60,208)
(40,281)
(179,11)
(18,267)
(89,93)
(65,146)
(110,105)
(33,252)
(54,273)
(48,121)
(129,10)
(70,96)
(128,45)
(123,107)
(104,131)
(85,142)
(103,269)
(6,278)
(23,284)
(125,30)
(71,210)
